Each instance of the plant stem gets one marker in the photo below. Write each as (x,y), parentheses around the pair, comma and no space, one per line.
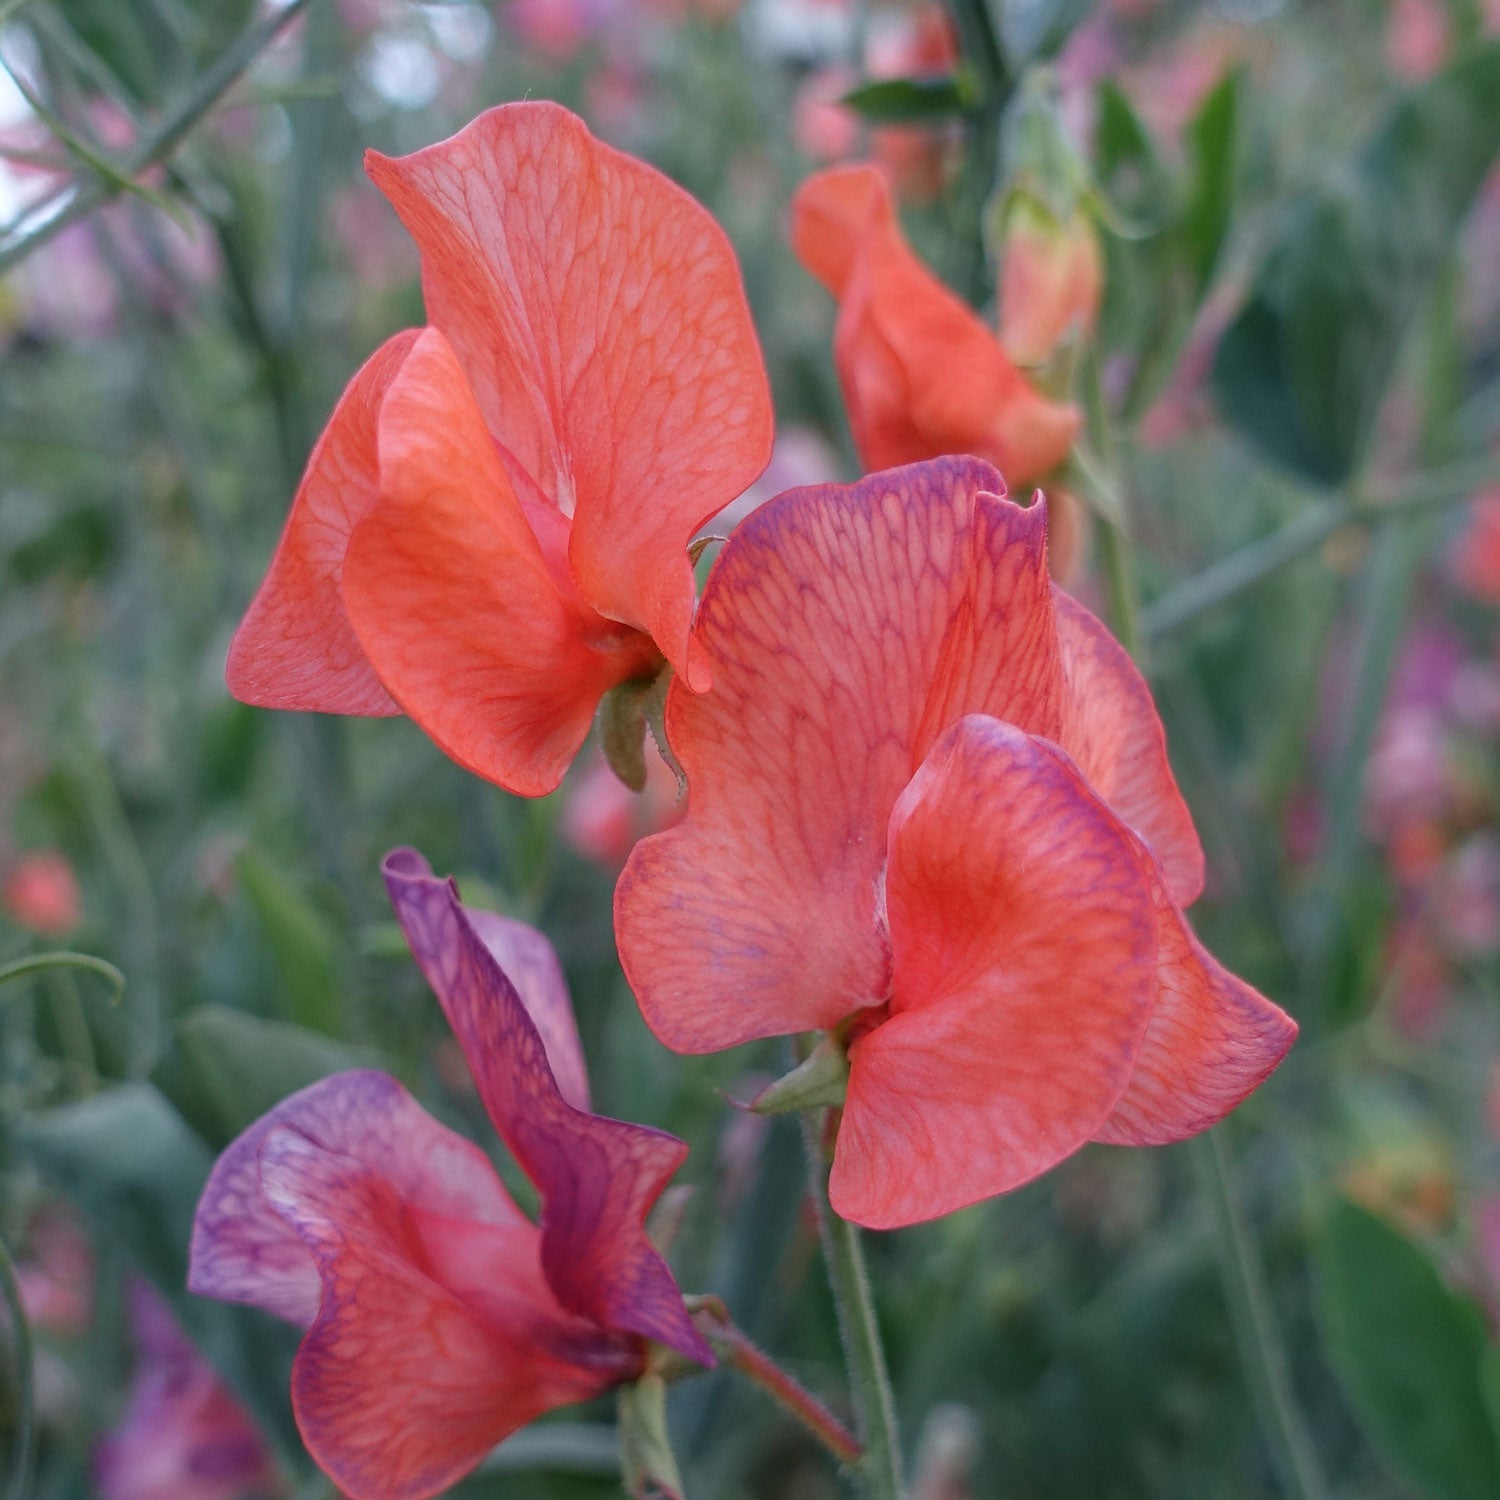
(40,962)
(158,144)
(1242,570)
(1255,1331)
(879,1467)
(738,1350)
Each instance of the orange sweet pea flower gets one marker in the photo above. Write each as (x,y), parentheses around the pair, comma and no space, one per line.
(492,530)
(922,376)
(930,812)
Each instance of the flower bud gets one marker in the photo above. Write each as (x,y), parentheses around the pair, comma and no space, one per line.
(1051,279)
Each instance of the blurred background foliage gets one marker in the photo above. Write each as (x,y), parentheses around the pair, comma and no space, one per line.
(1294,392)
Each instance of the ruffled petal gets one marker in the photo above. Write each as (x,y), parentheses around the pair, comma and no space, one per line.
(530,963)
(847,626)
(1211,1041)
(1024,939)
(921,374)
(243,1250)
(598,312)
(1110,727)
(598,1178)
(453,602)
(402,1385)
(295,648)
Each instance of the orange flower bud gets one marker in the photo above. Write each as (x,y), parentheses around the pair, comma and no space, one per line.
(1051,280)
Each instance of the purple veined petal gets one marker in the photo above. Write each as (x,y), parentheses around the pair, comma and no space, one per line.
(598,1178)
(436,1337)
(245,1250)
(531,965)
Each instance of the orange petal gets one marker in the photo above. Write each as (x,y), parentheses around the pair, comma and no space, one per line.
(453,602)
(598,312)
(922,376)
(1111,728)
(295,648)
(846,627)
(1023,937)
(1212,1040)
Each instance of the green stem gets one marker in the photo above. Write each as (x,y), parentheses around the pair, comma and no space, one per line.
(879,1468)
(157,145)
(1242,570)
(23,1448)
(1255,1331)
(1116,556)
(40,962)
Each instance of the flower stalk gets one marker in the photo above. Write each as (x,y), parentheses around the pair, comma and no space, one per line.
(737,1350)
(879,1466)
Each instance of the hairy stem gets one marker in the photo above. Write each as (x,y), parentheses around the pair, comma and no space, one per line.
(879,1467)
(736,1349)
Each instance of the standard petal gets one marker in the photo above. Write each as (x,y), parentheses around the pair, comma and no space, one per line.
(243,1250)
(1211,1041)
(1111,728)
(598,312)
(921,374)
(402,1384)
(453,602)
(598,1178)
(846,627)
(530,963)
(295,648)
(1023,935)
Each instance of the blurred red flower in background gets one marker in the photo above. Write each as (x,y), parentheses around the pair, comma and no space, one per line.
(921,374)
(41,894)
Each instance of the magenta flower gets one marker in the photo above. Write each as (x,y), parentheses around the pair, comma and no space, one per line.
(439,1318)
(183,1433)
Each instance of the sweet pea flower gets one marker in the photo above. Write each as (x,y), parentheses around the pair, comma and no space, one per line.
(492,531)
(183,1433)
(921,374)
(439,1318)
(930,813)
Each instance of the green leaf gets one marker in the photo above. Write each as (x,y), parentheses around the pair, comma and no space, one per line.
(300,943)
(913,101)
(225,1069)
(1129,167)
(1303,370)
(17,1397)
(1212,139)
(1409,1352)
(131,1165)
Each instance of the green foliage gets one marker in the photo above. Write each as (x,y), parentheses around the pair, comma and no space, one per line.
(1304,369)
(225,1069)
(132,1165)
(1412,1353)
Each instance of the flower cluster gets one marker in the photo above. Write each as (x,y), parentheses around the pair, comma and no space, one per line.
(930,813)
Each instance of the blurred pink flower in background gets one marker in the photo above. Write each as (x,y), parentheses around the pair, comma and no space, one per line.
(55,1277)
(183,1435)
(1417,38)
(41,894)
(602,818)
